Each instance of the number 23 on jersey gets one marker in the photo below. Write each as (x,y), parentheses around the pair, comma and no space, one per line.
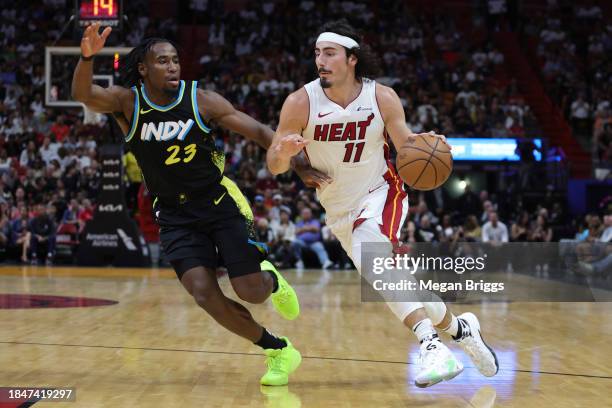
(189,152)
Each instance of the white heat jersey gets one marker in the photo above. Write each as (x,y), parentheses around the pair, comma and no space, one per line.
(348,144)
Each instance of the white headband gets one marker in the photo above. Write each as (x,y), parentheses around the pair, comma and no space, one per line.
(338,39)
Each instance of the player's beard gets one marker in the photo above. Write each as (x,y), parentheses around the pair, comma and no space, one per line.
(324,81)
(171,92)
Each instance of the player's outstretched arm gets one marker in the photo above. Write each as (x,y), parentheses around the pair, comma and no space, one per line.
(214,107)
(393,115)
(288,140)
(96,98)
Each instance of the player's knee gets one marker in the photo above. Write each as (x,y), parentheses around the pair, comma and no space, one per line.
(436,311)
(201,300)
(252,288)
(204,296)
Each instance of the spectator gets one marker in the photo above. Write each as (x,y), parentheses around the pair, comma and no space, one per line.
(86,213)
(520,229)
(5,162)
(606,235)
(580,115)
(259,209)
(409,233)
(48,150)
(5,232)
(71,214)
(471,229)
(28,156)
(274,212)
(60,129)
(541,232)
(423,211)
(595,228)
(263,232)
(425,231)
(20,234)
(494,231)
(284,230)
(308,235)
(337,255)
(445,230)
(487,207)
(602,264)
(43,231)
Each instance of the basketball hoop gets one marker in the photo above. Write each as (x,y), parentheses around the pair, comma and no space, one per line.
(90,117)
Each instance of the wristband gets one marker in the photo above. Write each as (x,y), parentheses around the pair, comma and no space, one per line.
(87,58)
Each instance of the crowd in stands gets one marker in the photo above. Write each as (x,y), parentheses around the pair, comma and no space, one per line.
(573,43)
(289,224)
(446,81)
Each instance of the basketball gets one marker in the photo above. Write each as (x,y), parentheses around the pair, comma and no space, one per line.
(425,163)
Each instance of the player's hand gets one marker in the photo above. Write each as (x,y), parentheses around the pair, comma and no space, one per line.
(92,40)
(311,177)
(434,134)
(291,145)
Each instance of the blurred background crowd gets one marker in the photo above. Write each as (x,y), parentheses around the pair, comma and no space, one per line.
(453,72)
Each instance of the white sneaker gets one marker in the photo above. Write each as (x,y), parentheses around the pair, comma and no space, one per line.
(299,265)
(473,345)
(437,363)
(328,264)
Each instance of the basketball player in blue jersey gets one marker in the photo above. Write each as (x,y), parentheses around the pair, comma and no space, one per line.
(342,120)
(201,213)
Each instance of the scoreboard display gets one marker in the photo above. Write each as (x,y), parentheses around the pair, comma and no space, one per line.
(105,12)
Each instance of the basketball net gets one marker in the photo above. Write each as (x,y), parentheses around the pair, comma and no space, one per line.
(90,117)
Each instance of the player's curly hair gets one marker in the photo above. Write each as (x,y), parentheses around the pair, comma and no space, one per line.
(128,73)
(368,65)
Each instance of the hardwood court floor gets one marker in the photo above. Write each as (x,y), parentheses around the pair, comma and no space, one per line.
(155,348)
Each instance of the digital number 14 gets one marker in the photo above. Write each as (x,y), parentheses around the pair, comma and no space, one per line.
(107,5)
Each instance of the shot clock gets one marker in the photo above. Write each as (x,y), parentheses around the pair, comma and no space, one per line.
(105,12)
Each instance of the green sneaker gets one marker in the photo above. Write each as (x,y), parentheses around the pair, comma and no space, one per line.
(281,363)
(285,300)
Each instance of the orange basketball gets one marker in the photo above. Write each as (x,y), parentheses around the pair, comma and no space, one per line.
(425,163)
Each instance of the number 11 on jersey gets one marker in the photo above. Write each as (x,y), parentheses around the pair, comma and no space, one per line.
(349,152)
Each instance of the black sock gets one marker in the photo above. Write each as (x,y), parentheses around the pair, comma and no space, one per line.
(258,255)
(274,281)
(270,341)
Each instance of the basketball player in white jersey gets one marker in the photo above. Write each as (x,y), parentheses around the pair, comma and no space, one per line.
(342,120)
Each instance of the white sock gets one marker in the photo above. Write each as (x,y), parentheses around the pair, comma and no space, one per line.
(453,327)
(424,329)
